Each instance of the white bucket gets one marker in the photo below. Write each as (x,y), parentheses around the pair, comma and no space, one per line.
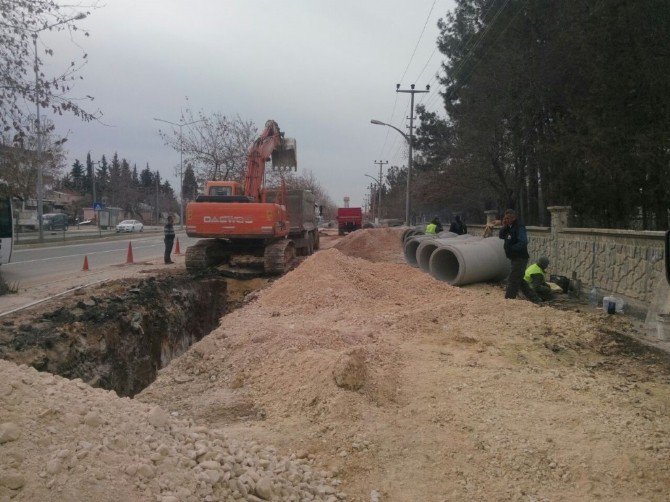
(663,326)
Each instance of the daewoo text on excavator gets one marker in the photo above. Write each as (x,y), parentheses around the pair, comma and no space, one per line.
(251,230)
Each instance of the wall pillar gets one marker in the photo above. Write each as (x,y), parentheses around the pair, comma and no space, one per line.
(560,216)
(491,215)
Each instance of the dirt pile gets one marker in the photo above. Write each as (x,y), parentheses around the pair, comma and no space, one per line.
(459,394)
(363,372)
(374,244)
(63,440)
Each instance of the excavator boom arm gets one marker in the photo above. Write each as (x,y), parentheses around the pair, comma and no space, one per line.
(269,144)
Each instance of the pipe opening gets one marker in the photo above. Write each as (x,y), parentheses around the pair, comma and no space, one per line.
(444,265)
(410,252)
(423,256)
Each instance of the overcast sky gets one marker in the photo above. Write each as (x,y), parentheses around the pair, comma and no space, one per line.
(321,69)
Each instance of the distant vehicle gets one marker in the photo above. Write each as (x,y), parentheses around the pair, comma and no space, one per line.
(349,219)
(6,230)
(54,221)
(130,226)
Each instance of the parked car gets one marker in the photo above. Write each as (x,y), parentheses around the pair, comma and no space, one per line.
(130,226)
(54,221)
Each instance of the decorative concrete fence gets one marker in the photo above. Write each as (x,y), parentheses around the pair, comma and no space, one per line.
(623,263)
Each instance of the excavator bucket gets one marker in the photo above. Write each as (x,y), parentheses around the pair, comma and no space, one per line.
(284,156)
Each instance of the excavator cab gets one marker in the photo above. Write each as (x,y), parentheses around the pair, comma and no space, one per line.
(284,155)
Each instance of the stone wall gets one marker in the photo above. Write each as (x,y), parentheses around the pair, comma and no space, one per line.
(622,263)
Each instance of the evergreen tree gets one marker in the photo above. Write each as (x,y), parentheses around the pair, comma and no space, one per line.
(553,103)
(189,184)
(89,176)
(115,185)
(146,178)
(102,178)
(77,176)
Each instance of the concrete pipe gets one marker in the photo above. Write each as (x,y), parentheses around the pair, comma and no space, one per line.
(413,242)
(466,262)
(427,246)
(411,232)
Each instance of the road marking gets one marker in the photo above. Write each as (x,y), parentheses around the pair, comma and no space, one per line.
(80,255)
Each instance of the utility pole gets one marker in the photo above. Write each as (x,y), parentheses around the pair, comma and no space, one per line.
(181,124)
(96,211)
(411,91)
(379,205)
(157,210)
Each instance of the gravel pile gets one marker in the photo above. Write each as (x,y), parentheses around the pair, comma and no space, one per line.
(63,440)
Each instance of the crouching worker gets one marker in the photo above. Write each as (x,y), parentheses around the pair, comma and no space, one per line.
(535,276)
(434,227)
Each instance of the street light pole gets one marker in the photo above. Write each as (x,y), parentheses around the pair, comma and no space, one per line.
(181,124)
(38,125)
(409,142)
(38,147)
(409,139)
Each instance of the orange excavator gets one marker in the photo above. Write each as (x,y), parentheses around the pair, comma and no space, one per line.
(251,230)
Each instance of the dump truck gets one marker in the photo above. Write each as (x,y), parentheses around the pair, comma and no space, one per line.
(349,219)
(247,229)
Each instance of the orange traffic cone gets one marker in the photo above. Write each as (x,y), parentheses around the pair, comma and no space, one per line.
(176,248)
(129,256)
(85,267)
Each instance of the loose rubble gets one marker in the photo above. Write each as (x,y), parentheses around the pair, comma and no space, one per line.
(63,440)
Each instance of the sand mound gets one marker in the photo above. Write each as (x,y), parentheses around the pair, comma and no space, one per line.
(63,440)
(423,391)
(374,244)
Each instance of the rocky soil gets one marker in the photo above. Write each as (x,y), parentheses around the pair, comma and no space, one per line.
(373,382)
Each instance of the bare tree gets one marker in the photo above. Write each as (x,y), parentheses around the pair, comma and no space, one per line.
(307,181)
(22,59)
(215,144)
(18,161)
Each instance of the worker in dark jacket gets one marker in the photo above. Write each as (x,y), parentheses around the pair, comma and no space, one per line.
(535,276)
(458,227)
(513,232)
(168,230)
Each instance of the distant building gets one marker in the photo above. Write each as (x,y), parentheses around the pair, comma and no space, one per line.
(64,197)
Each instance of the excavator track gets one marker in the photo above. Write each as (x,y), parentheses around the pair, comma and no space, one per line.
(279,257)
(206,254)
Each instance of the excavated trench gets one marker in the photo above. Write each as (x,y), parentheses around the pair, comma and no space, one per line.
(118,335)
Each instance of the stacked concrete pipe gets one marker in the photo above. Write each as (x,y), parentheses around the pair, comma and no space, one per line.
(426,247)
(411,232)
(412,243)
(461,262)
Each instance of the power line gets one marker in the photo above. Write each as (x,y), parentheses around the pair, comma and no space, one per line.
(477,44)
(480,40)
(418,41)
(470,51)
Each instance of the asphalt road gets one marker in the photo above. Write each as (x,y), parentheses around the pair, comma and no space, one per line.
(40,265)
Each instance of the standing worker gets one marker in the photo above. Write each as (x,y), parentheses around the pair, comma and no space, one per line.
(513,232)
(168,229)
(535,276)
(458,227)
